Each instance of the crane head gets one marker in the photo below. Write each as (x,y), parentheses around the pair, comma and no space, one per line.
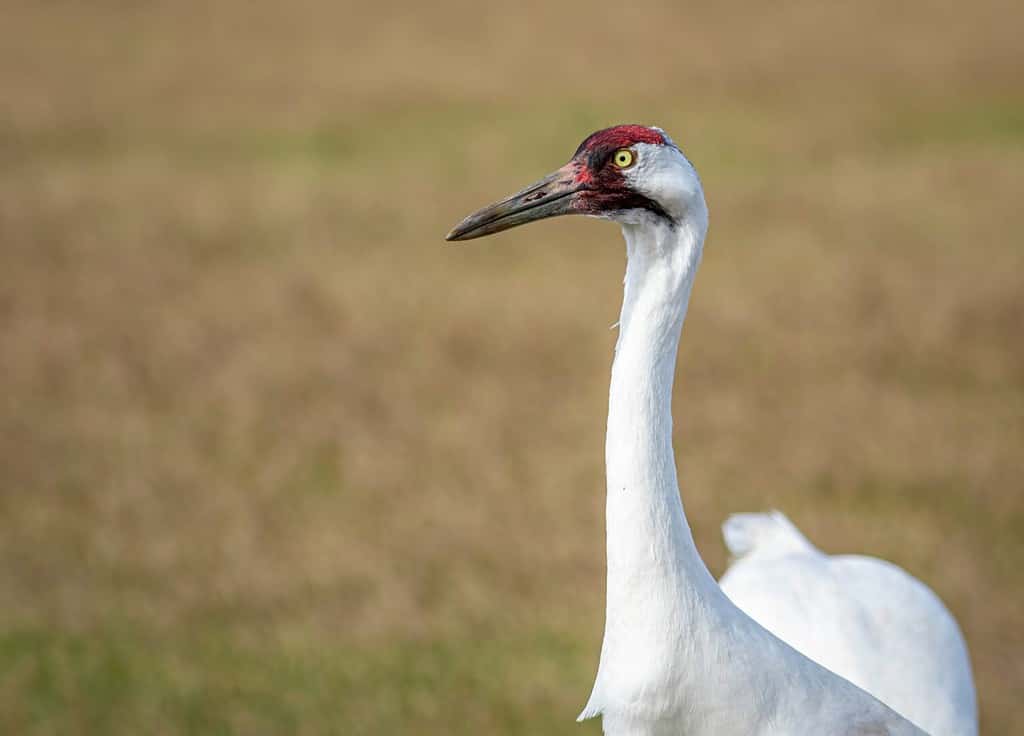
(628,173)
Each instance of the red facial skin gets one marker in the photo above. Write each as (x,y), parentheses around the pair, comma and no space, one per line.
(590,184)
(621,136)
(604,186)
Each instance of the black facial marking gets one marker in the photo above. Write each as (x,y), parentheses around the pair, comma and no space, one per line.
(626,199)
(599,158)
(607,189)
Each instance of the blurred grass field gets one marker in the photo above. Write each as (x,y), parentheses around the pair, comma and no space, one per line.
(274,459)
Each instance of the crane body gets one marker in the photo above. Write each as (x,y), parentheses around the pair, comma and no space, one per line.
(678,656)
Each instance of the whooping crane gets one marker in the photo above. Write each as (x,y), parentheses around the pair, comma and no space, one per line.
(678,656)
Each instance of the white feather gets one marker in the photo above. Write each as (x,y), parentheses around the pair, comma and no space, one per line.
(870,650)
(678,656)
(861,617)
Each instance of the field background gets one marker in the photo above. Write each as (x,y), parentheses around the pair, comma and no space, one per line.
(275,459)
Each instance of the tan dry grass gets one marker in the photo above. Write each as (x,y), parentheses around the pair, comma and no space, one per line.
(246,386)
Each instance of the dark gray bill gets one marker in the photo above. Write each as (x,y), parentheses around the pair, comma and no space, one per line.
(551,196)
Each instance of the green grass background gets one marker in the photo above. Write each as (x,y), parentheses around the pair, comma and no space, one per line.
(274,459)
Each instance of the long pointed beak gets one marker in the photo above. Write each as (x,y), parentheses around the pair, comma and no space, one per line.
(552,196)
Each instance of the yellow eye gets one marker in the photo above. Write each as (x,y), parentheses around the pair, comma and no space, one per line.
(623,158)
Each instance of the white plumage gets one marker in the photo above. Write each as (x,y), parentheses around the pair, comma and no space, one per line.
(678,656)
(861,617)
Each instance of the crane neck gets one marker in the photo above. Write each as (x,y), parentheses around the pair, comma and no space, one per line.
(649,539)
(662,601)
(678,656)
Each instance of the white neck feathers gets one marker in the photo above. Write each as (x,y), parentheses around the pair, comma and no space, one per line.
(678,656)
(658,586)
(650,547)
